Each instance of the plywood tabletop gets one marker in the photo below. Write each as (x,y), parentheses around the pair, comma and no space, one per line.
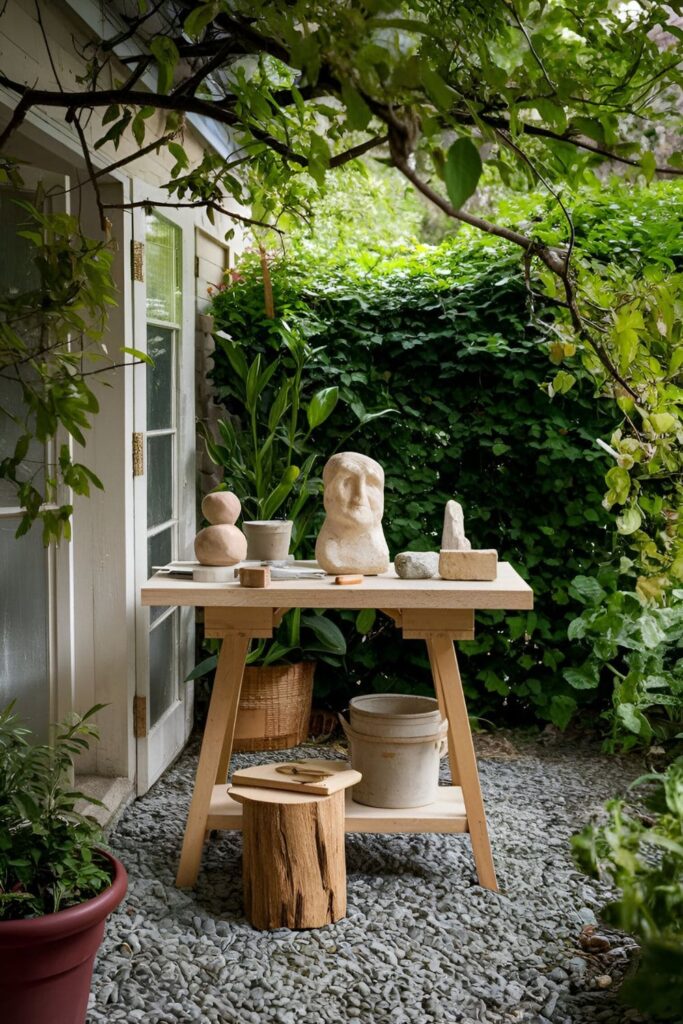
(507,591)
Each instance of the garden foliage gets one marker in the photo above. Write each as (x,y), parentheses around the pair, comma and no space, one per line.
(49,856)
(444,336)
(642,854)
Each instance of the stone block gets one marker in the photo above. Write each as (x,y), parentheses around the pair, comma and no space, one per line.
(468,565)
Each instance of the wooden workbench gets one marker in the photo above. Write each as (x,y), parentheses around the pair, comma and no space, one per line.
(437,611)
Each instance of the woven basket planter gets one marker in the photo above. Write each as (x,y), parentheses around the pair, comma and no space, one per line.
(275,706)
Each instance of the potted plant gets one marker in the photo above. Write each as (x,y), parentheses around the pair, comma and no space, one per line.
(57,884)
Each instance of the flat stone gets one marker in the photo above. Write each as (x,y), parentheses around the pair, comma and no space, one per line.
(468,565)
(416,565)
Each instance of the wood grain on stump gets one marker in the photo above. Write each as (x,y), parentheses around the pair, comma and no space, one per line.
(294,864)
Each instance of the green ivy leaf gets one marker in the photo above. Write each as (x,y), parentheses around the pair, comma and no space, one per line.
(584,678)
(358,113)
(561,710)
(587,590)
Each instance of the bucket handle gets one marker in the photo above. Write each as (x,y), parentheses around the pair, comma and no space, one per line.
(441,737)
(346,726)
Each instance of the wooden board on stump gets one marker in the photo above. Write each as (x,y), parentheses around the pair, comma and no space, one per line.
(293,861)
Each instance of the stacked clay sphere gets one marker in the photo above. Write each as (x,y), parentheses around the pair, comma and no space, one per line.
(222,543)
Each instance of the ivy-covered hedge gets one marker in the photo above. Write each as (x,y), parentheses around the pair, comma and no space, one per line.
(444,336)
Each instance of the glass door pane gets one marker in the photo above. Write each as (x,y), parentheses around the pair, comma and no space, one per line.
(163,309)
(24,626)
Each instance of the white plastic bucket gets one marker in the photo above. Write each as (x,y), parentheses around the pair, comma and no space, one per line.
(396,743)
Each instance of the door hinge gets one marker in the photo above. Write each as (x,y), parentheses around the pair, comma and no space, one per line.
(196,266)
(138,454)
(137,261)
(139,717)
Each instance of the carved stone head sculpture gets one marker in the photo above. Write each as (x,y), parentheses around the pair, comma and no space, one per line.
(351,538)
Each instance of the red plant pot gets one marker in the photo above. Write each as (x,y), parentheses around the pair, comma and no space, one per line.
(46,963)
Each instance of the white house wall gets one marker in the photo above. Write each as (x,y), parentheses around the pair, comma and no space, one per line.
(103,550)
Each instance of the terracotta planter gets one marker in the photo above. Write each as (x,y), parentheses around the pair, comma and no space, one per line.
(275,706)
(46,963)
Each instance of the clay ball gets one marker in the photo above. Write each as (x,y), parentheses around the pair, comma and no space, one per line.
(221,507)
(220,545)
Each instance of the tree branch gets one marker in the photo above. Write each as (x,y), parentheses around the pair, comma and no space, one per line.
(105,223)
(204,204)
(400,141)
(572,140)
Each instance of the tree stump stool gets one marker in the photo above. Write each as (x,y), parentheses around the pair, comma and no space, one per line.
(293,861)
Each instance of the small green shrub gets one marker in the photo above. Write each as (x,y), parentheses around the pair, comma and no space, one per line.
(642,855)
(48,851)
(634,647)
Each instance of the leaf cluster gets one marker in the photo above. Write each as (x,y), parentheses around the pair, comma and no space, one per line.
(50,345)
(642,854)
(636,646)
(48,850)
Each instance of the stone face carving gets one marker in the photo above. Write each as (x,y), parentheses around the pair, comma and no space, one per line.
(221,543)
(453,537)
(416,565)
(351,539)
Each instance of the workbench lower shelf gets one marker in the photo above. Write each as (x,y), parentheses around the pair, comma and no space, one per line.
(446,814)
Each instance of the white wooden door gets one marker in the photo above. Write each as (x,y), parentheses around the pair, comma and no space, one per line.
(36,593)
(164,489)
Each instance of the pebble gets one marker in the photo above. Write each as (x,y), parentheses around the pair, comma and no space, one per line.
(416,565)
(422,943)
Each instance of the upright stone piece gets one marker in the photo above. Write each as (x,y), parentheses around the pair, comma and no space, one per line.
(453,537)
(351,538)
(457,560)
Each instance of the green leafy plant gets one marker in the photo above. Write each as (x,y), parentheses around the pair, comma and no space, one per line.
(51,351)
(49,856)
(635,645)
(642,855)
(266,447)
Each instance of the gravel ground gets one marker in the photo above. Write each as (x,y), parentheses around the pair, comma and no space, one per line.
(422,942)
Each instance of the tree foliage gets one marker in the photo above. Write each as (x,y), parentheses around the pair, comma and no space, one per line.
(533,93)
(50,346)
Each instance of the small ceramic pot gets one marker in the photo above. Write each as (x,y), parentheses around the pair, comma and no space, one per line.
(267,539)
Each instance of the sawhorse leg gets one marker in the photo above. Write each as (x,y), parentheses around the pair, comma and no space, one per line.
(438,689)
(448,686)
(215,752)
